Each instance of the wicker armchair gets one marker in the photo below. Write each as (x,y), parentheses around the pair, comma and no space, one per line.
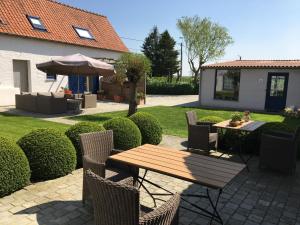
(96,148)
(278,151)
(118,204)
(200,135)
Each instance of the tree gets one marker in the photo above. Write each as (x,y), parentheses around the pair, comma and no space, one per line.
(132,67)
(204,41)
(150,49)
(168,63)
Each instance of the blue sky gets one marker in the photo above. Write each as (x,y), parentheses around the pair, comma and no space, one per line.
(261,29)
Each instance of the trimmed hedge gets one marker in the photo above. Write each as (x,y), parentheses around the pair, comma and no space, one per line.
(14,167)
(126,134)
(50,153)
(80,128)
(164,88)
(149,126)
(212,119)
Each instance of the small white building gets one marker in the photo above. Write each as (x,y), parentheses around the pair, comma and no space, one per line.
(268,85)
(32,32)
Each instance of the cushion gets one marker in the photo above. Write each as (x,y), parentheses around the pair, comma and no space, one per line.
(44,94)
(213,137)
(58,94)
(25,93)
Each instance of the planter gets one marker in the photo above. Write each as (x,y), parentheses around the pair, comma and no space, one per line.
(118,98)
(235,123)
(140,101)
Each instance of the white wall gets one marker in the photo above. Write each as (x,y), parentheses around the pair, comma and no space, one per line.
(36,51)
(253,85)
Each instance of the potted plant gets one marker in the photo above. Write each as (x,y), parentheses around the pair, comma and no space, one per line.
(140,98)
(68,93)
(236,119)
(100,95)
(118,98)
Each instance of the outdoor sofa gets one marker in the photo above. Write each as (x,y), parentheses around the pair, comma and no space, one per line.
(42,102)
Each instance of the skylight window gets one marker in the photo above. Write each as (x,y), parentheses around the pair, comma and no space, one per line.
(36,23)
(83,33)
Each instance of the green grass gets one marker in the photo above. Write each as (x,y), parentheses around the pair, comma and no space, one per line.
(173,119)
(14,127)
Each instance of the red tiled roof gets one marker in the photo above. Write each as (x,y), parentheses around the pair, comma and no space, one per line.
(59,20)
(255,64)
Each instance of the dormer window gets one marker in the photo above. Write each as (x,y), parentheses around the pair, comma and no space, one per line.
(36,23)
(83,33)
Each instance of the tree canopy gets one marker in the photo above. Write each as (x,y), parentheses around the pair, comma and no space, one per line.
(204,40)
(160,50)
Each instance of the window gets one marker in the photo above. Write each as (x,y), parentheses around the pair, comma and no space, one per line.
(83,33)
(277,86)
(36,23)
(50,76)
(227,85)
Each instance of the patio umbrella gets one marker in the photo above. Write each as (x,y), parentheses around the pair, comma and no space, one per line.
(76,64)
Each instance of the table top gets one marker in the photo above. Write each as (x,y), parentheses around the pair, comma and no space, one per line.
(246,126)
(204,170)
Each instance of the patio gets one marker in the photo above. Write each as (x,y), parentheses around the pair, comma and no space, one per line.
(251,198)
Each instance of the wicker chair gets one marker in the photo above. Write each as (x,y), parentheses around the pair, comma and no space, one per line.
(278,151)
(96,148)
(200,135)
(118,204)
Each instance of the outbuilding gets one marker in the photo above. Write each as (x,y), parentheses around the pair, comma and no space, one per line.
(266,85)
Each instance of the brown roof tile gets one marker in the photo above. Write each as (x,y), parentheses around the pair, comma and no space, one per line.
(59,20)
(255,64)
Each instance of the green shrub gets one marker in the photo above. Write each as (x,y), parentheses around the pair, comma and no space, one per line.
(149,126)
(159,85)
(49,152)
(80,128)
(126,134)
(14,167)
(212,119)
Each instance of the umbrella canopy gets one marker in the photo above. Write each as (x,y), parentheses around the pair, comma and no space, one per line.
(76,64)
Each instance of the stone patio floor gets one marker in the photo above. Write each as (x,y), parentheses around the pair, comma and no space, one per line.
(256,197)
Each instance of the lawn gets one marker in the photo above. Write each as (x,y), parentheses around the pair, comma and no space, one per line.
(14,127)
(173,119)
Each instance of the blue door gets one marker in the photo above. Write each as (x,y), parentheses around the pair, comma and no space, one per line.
(74,81)
(277,86)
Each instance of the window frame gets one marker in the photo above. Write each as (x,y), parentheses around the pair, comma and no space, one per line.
(215,86)
(35,26)
(51,79)
(84,29)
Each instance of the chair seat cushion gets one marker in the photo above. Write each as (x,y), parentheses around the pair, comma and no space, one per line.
(213,137)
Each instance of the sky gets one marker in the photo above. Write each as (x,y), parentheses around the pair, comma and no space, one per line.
(261,29)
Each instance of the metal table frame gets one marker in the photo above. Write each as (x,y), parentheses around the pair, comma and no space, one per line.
(213,216)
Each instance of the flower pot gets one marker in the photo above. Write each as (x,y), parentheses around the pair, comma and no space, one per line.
(140,101)
(118,98)
(234,123)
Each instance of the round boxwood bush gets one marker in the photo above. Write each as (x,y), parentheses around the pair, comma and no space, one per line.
(149,126)
(50,153)
(212,119)
(126,134)
(80,128)
(14,167)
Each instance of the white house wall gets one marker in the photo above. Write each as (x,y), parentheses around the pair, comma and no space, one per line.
(252,94)
(36,51)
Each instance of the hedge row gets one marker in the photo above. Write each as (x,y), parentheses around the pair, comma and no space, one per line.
(164,88)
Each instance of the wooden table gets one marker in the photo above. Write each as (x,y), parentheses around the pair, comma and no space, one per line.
(246,127)
(203,170)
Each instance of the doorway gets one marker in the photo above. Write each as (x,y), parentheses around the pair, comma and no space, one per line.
(20,75)
(277,86)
